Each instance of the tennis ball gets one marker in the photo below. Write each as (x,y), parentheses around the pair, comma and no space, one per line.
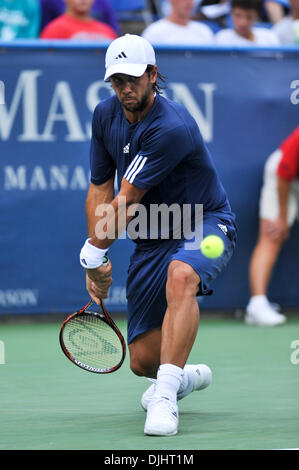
(212,246)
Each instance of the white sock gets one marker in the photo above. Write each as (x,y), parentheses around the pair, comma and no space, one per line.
(258,299)
(169,378)
(185,383)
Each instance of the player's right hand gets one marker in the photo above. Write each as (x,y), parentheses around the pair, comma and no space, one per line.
(98,282)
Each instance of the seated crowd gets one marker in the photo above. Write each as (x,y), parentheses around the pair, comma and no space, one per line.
(179,22)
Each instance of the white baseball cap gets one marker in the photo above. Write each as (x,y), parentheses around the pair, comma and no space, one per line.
(130,54)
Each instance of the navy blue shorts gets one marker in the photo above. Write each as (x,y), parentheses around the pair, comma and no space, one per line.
(147,274)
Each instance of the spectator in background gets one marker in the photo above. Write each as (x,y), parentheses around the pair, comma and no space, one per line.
(77,23)
(19,19)
(288,28)
(214,13)
(101,11)
(279,207)
(275,10)
(178,28)
(245,14)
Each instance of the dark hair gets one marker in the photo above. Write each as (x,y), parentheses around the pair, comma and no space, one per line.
(247,5)
(157,87)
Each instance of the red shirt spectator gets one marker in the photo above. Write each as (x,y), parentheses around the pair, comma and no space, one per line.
(101,10)
(288,168)
(67,27)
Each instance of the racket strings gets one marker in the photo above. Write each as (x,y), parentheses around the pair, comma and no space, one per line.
(91,341)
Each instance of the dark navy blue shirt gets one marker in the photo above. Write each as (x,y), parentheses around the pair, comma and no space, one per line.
(163,153)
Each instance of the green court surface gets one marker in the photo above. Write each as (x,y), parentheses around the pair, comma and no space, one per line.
(252,403)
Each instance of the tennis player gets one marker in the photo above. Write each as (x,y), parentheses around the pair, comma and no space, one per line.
(158,152)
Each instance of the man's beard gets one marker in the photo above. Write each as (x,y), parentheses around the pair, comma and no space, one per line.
(139,105)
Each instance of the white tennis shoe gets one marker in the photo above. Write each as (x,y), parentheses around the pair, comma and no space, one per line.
(199,377)
(162,417)
(263,313)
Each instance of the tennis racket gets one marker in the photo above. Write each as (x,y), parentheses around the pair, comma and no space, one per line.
(90,339)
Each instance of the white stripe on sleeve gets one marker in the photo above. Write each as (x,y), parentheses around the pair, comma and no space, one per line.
(133,165)
(138,169)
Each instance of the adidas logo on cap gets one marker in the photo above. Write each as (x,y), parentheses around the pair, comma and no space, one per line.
(122,55)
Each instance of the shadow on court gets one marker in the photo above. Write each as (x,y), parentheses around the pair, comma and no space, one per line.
(48,403)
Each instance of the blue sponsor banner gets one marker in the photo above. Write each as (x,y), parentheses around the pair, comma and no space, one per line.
(245,103)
